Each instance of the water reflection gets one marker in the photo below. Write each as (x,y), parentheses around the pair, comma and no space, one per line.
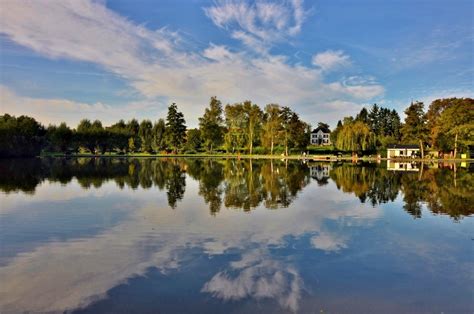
(246,184)
(343,237)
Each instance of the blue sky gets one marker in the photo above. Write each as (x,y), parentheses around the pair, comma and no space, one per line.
(66,60)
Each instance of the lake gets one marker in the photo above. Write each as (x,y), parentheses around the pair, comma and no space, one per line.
(108,235)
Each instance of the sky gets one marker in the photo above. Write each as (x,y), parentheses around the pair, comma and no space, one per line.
(65,60)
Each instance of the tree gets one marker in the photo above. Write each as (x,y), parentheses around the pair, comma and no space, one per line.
(285,118)
(336,131)
(272,125)
(60,136)
(415,130)
(354,136)
(211,125)
(448,119)
(158,135)
(146,135)
(175,128)
(22,136)
(194,140)
(299,132)
(119,136)
(253,120)
(457,122)
(323,125)
(235,122)
(134,140)
(364,116)
(86,135)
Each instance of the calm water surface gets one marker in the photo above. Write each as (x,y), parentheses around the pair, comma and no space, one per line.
(230,236)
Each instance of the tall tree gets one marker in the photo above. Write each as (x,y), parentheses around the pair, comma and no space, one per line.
(86,135)
(158,135)
(175,128)
(235,122)
(146,135)
(285,118)
(194,141)
(60,136)
(354,136)
(211,125)
(299,132)
(134,141)
(415,130)
(253,120)
(272,125)
(457,123)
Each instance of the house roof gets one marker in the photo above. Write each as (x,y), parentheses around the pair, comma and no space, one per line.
(403,146)
(323,129)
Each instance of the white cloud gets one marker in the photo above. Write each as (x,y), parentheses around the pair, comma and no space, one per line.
(331,60)
(159,63)
(258,25)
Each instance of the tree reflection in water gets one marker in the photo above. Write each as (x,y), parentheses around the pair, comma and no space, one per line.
(246,184)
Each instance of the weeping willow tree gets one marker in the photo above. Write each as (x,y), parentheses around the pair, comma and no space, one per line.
(354,136)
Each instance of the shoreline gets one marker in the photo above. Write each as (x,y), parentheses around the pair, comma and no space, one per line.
(290,157)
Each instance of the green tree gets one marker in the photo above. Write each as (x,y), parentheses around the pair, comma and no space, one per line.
(211,125)
(446,119)
(60,136)
(22,136)
(354,136)
(285,119)
(299,132)
(414,130)
(146,135)
(86,135)
(159,135)
(235,122)
(457,123)
(194,140)
(175,128)
(271,125)
(118,136)
(253,121)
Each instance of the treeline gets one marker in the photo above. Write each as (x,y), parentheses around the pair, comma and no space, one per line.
(245,128)
(447,126)
(237,128)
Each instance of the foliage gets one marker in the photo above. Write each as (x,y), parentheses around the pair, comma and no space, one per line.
(19,137)
(354,136)
(211,125)
(175,128)
(415,128)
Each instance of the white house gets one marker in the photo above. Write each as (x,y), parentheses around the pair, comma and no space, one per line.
(402,151)
(320,136)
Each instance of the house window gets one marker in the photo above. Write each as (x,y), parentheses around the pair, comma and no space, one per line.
(401,153)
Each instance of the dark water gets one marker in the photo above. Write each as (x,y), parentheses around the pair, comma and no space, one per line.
(230,236)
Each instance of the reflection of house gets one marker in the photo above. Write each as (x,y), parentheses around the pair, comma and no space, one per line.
(320,172)
(402,151)
(402,166)
(320,136)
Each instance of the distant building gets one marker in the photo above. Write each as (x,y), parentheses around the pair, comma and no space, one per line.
(320,136)
(402,151)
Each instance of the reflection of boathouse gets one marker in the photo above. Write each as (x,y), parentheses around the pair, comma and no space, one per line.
(402,166)
(402,151)
(320,172)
